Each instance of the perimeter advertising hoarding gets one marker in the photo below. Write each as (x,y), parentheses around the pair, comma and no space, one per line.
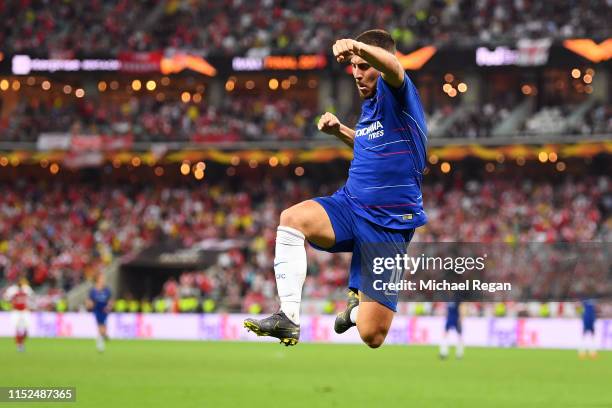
(478,331)
(524,52)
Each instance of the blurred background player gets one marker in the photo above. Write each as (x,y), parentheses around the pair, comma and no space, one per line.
(588,329)
(453,322)
(20,295)
(100,303)
(381,201)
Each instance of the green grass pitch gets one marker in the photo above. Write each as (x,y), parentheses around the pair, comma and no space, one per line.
(212,374)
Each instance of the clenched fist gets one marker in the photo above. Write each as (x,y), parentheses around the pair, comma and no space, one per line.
(344,49)
(329,124)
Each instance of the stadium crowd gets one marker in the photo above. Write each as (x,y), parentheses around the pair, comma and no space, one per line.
(554,119)
(251,118)
(58,235)
(147,119)
(476,123)
(598,120)
(271,26)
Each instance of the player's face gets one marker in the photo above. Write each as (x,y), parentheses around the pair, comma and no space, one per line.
(100,281)
(365,77)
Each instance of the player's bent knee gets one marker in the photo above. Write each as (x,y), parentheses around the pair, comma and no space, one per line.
(301,216)
(291,218)
(373,338)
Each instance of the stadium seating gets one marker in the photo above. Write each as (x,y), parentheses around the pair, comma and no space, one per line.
(249,118)
(114,220)
(264,26)
(239,118)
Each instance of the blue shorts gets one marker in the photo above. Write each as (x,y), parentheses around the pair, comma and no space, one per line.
(453,324)
(588,326)
(101,318)
(366,241)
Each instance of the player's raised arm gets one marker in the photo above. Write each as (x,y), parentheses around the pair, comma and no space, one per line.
(331,125)
(379,58)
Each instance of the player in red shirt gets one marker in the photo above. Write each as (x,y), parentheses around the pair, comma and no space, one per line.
(19,295)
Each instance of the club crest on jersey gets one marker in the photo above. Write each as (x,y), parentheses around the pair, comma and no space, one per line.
(374,131)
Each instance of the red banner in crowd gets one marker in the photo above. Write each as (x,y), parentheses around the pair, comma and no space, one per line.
(86,143)
(140,62)
(215,138)
(123,142)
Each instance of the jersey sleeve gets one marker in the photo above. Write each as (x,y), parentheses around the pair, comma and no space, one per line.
(405,99)
(91,294)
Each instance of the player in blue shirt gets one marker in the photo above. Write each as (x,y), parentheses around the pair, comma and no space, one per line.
(375,214)
(100,304)
(589,314)
(453,322)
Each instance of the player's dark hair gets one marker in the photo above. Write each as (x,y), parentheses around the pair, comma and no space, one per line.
(378,38)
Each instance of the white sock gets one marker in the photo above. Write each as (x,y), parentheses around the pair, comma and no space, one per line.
(592,344)
(459,351)
(444,346)
(100,343)
(585,345)
(290,270)
(353,315)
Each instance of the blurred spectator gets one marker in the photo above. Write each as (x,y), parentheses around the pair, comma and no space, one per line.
(58,235)
(597,121)
(251,118)
(262,27)
(478,122)
(240,118)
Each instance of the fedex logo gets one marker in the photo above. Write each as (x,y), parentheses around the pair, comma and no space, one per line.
(132,326)
(315,329)
(606,338)
(416,334)
(525,337)
(53,325)
(502,333)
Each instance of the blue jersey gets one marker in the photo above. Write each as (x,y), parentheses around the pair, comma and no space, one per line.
(384,182)
(452,312)
(452,317)
(100,299)
(588,310)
